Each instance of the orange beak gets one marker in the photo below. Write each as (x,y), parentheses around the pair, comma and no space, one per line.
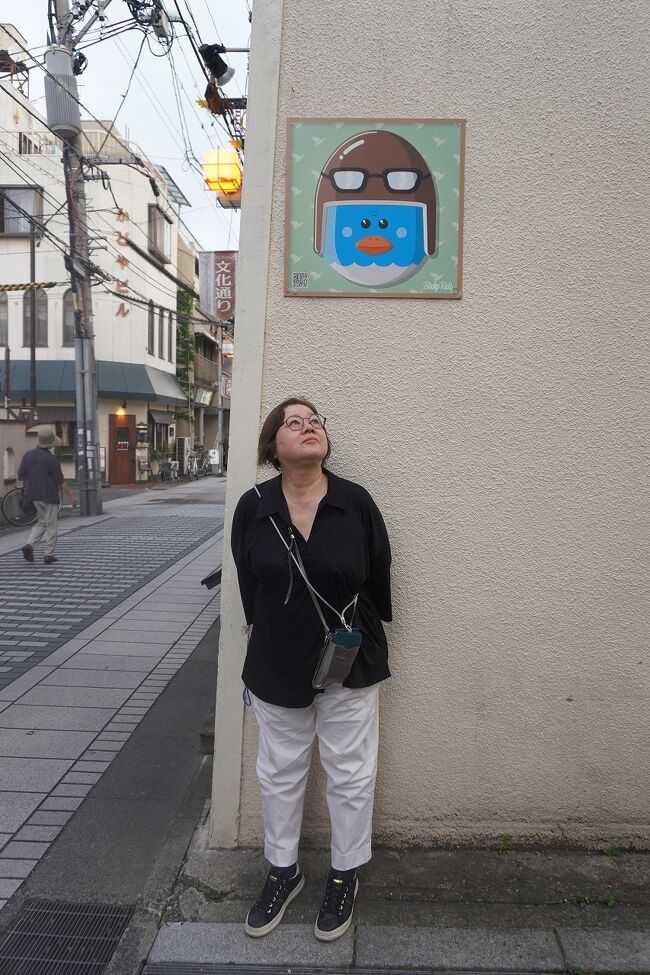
(374,245)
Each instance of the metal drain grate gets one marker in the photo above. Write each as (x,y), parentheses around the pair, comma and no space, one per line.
(58,938)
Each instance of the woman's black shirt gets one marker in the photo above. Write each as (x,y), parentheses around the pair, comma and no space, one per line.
(347,553)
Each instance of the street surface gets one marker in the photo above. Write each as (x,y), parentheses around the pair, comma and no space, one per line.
(88,645)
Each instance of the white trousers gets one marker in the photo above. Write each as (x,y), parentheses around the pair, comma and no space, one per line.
(47,524)
(346,722)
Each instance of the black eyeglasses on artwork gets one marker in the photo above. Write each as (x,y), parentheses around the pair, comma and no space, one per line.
(395,180)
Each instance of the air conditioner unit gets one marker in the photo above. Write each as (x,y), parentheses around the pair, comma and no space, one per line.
(183,450)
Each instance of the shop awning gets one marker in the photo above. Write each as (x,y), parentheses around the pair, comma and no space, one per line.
(166,386)
(54,380)
(160,416)
(115,380)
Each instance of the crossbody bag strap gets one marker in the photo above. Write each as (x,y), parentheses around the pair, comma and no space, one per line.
(315,595)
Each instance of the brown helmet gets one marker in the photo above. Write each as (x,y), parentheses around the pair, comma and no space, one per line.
(376,165)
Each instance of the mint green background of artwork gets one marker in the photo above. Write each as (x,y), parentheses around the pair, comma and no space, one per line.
(310,146)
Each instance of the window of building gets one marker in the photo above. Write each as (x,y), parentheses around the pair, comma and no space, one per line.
(170,336)
(160,234)
(26,146)
(13,201)
(40,298)
(4,319)
(150,329)
(161,333)
(68,319)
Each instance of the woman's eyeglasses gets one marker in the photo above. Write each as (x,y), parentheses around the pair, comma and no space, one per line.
(395,180)
(295,423)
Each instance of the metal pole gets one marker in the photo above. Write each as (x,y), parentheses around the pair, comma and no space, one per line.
(219,396)
(7,381)
(32,314)
(88,473)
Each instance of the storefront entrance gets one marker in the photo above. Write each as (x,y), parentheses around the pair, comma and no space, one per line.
(122,438)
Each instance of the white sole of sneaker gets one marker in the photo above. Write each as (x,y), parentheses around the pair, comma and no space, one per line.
(339,932)
(260,932)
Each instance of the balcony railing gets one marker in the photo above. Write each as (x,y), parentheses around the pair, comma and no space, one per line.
(205,370)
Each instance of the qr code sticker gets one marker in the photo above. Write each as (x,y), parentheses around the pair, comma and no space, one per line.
(300,279)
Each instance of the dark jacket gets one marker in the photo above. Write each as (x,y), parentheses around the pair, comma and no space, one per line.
(42,475)
(348,552)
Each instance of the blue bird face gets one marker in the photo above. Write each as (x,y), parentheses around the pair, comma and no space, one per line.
(375,243)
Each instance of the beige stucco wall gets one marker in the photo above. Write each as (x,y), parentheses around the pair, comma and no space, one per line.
(502,435)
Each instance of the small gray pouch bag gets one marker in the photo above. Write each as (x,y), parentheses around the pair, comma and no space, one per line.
(341,645)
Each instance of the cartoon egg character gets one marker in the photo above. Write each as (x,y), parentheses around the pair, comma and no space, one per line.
(375,209)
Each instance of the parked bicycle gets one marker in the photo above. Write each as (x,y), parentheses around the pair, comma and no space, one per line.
(16,513)
(199,465)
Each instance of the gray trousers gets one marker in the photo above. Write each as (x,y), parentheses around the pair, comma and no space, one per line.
(47,524)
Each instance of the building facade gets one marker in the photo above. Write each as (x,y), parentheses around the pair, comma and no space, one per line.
(133,223)
(502,433)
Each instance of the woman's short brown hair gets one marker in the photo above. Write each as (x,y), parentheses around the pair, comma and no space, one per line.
(266,445)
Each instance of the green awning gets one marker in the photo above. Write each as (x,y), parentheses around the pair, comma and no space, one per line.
(54,380)
(115,380)
(166,386)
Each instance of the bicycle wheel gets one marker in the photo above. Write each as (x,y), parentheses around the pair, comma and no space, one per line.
(13,512)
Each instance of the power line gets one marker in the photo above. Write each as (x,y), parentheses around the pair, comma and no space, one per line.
(56,81)
(140,272)
(128,88)
(192,165)
(153,98)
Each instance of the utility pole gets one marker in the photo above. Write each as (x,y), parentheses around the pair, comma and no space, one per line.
(62,100)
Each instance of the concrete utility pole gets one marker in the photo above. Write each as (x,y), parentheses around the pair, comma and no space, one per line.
(62,99)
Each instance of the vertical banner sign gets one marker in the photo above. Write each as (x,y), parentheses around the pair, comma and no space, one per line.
(374,208)
(217,271)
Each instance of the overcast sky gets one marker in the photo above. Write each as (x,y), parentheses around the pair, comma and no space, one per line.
(150,115)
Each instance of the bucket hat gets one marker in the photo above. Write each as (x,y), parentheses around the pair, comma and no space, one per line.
(47,438)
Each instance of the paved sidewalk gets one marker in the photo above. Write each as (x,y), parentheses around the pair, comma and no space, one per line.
(456,910)
(129,590)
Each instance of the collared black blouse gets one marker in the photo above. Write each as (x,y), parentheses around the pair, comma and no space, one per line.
(348,552)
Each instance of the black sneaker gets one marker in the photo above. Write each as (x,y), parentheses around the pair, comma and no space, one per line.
(338,904)
(268,910)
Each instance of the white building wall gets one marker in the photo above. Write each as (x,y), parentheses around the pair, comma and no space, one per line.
(119,339)
(503,435)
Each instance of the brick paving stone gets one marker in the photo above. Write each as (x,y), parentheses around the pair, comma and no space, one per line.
(38,833)
(21,742)
(16,807)
(25,850)
(56,718)
(101,753)
(87,697)
(9,887)
(68,789)
(81,778)
(14,868)
(31,774)
(49,817)
(60,804)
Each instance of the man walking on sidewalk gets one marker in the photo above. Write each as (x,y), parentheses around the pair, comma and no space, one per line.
(43,479)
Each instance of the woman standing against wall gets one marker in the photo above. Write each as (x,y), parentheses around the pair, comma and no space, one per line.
(313,561)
